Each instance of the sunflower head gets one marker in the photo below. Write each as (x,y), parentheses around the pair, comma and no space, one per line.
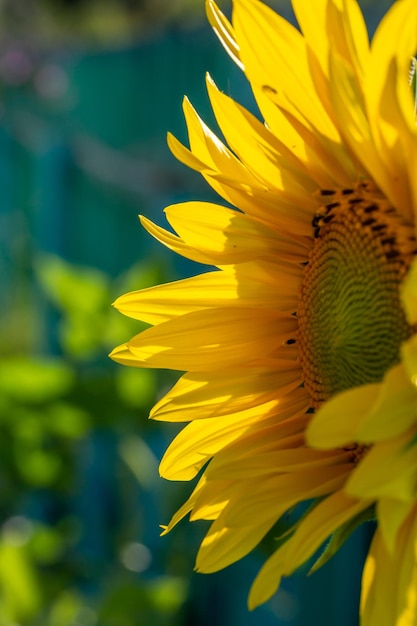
(299,342)
(351,321)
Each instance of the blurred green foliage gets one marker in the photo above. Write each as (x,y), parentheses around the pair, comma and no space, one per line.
(50,407)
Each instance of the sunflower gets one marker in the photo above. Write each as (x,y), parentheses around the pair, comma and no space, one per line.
(299,343)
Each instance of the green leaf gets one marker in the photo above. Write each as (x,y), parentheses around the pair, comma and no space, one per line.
(73,289)
(168,593)
(34,381)
(136,387)
(21,593)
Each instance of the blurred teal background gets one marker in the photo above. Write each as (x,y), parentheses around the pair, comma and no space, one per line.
(88,92)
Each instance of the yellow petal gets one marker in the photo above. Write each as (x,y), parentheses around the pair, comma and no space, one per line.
(392,120)
(202,439)
(260,464)
(269,578)
(393,578)
(187,157)
(335,24)
(197,395)
(395,39)
(309,536)
(122,355)
(397,397)
(337,421)
(208,147)
(186,507)
(284,490)
(221,546)
(228,176)
(259,149)
(227,236)
(350,110)
(388,470)
(281,66)
(364,414)
(316,527)
(224,31)
(246,519)
(254,199)
(391,514)
(348,34)
(312,20)
(172,242)
(201,340)
(205,503)
(199,441)
(288,135)
(290,138)
(270,67)
(235,286)
(163,302)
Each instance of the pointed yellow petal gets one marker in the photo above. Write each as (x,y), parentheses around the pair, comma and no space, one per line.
(323,520)
(364,414)
(310,534)
(198,442)
(289,138)
(212,499)
(312,20)
(255,199)
(246,519)
(228,176)
(187,506)
(208,147)
(163,302)
(260,150)
(200,340)
(222,546)
(283,491)
(270,67)
(230,237)
(224,31)
(197,395)
(202,439)
(122,355)
(239,286)
(281,66)
(172,242)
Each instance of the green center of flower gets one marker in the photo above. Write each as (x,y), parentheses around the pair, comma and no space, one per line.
(351,323)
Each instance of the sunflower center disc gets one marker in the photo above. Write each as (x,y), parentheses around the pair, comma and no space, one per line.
(351,323)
